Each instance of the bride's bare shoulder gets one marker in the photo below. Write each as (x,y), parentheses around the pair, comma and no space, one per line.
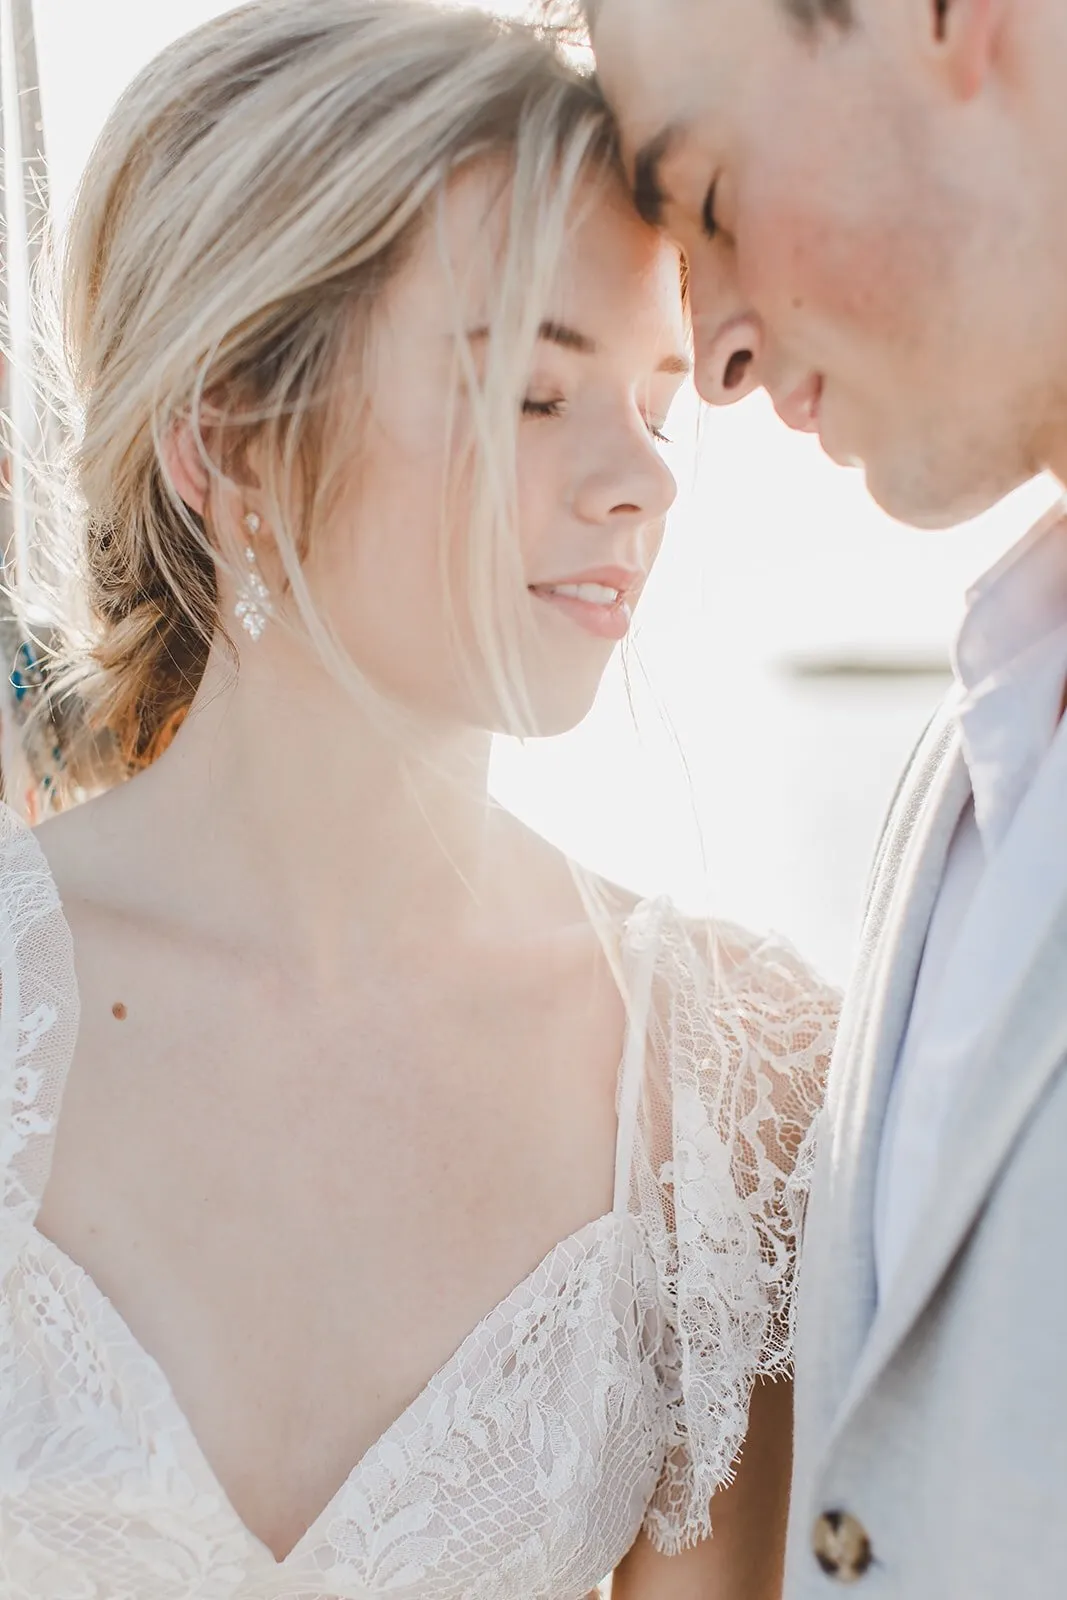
(618,902)
(91,848)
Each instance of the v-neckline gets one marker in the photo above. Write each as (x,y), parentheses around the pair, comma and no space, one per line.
(197,1464)
(178,1425)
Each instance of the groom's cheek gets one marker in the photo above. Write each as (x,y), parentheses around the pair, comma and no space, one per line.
(816,272)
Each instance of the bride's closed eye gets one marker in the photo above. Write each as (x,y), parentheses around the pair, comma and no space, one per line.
(542,408)
(554,408)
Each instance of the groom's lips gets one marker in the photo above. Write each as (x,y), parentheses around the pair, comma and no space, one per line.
(800,409)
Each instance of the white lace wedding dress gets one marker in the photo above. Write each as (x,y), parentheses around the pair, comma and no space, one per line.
(607,1393)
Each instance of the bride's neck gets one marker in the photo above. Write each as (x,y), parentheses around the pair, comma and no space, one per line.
(313,815)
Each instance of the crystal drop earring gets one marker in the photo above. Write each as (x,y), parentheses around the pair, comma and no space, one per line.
(253,609)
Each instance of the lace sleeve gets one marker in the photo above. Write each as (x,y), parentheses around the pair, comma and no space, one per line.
(738,1050)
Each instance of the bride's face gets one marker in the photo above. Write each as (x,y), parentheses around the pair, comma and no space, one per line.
(593,489)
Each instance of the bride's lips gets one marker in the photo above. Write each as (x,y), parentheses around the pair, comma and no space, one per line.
(605,610)
(800,409)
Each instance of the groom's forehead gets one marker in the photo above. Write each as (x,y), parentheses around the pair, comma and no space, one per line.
(664,111)
(662,63)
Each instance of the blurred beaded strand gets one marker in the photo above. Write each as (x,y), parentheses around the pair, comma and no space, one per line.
(31,746)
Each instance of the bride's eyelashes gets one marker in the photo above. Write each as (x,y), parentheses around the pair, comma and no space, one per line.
(542,408)
(554,408)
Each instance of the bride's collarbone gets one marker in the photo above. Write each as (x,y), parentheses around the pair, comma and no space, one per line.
(168,1025)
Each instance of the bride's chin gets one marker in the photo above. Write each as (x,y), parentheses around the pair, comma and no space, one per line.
(554,716)
(564,719)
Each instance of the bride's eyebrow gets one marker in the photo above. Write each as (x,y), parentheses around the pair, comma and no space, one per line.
(567,338)
(552,332)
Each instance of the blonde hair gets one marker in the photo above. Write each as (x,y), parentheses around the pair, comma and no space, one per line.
(250,196)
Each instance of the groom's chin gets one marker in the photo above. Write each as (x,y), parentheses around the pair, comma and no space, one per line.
(923,492)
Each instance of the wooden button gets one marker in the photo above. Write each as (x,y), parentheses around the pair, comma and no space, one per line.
(842,1546)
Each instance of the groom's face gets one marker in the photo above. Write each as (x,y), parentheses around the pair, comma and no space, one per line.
(860,222)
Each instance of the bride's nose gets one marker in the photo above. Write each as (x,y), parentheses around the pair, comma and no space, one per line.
(728,360)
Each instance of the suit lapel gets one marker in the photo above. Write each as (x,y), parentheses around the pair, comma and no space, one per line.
(903,891)
(1022,1045)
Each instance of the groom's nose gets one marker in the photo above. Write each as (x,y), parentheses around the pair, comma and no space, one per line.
(727,358)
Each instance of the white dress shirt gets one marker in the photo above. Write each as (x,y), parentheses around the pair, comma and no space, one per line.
(1006,869)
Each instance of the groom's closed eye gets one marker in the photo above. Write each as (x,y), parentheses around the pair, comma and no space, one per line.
(650,193)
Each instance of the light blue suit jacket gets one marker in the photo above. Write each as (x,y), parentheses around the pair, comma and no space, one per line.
(931,1444)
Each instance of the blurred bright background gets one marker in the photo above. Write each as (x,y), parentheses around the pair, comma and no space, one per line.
(789,650)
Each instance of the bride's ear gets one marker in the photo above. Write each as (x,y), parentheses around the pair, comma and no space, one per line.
(186,466)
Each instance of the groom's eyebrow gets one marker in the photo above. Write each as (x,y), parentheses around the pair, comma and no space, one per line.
(650,196)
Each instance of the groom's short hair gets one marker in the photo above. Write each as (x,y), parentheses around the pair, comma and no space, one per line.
(809,12)
(812,11)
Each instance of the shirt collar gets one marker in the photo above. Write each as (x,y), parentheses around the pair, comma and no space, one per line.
(1011,664)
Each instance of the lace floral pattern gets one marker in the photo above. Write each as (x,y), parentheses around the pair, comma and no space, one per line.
(38,1025)
(607,1393)
(738,1050)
